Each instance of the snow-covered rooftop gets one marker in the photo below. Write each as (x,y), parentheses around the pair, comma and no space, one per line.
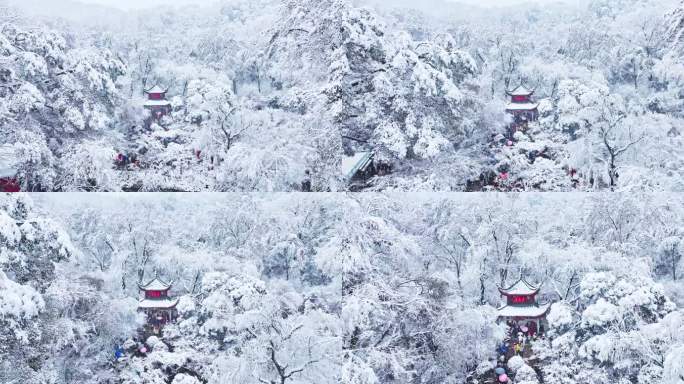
(164,303)
(524,311)
(157,103)
(521,106)
(353,164)
(520,288)
(155,284)
(8,161)
(520,90)
(156,89)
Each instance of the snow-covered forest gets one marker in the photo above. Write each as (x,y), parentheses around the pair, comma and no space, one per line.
(386,110)
(271,95)
(339,288)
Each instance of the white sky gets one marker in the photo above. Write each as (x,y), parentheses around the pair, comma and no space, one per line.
(137,4)
(140,4)
(511,2)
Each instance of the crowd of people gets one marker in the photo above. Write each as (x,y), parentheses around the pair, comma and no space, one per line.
(516,343)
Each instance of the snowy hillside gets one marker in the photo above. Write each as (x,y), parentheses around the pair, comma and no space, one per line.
(336,288)
(272,96)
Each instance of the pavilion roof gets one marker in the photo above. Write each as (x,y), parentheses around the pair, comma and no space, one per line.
(156,89)
(520,288)
(353,164)
(156,103)
(520,90)
(521,106)
(8,161)
(156,284)
(163,303)
(528,311)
